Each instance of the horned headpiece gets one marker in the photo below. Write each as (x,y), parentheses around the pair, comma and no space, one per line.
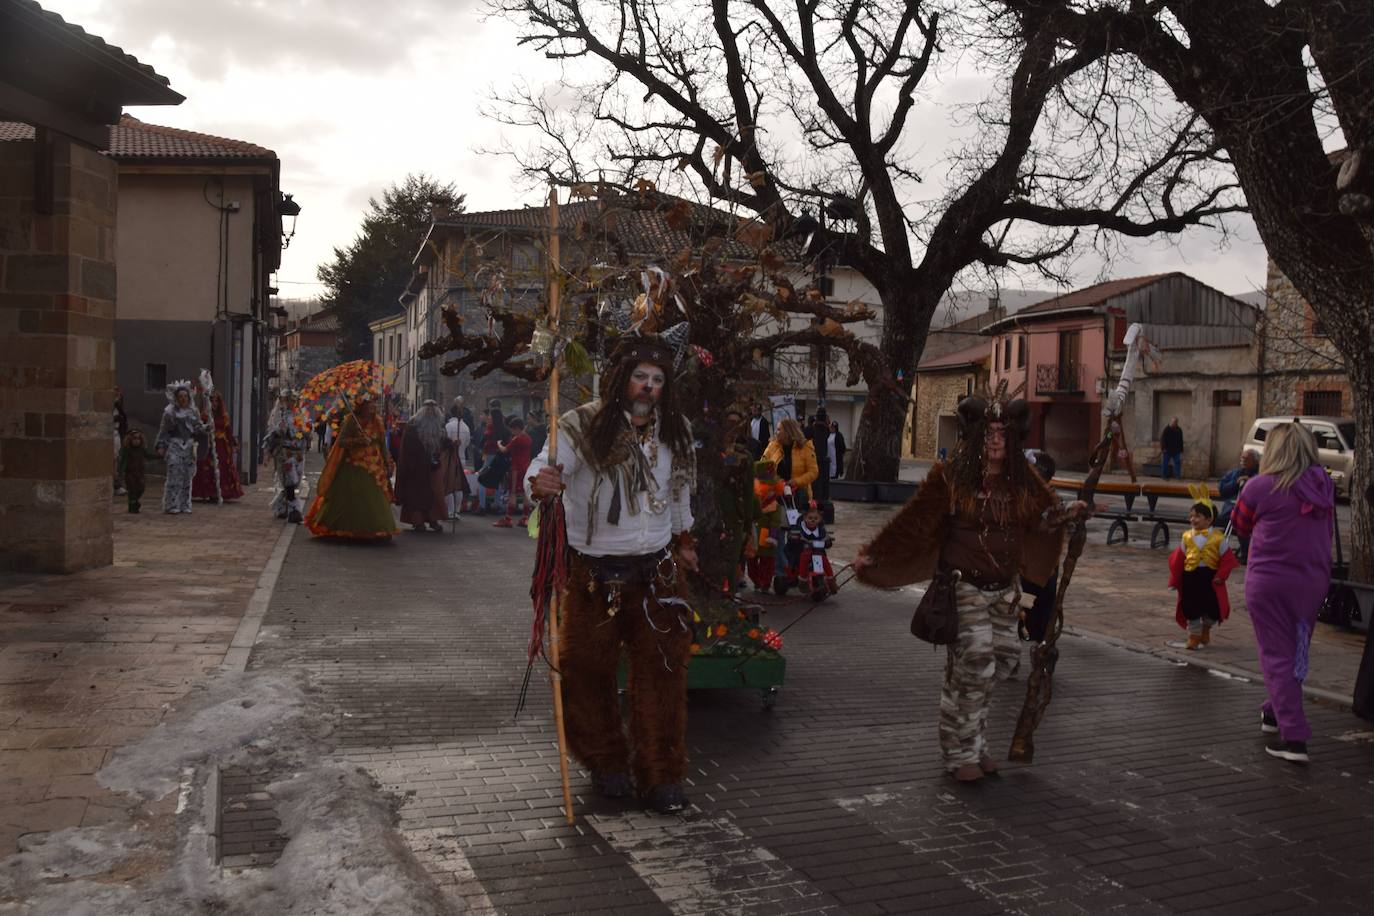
(976,411)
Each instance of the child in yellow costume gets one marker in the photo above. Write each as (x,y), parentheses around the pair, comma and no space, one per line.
(1198,569)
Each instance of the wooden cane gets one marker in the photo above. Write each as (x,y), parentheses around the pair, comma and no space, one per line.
(556,674)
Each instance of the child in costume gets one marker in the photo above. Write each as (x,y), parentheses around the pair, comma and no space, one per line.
(133,463)
(1198,569)
(814,561)
(768,490)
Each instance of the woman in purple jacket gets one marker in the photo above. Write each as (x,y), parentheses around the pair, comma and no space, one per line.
(1287,512)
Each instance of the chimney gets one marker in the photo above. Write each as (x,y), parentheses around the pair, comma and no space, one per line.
(995,308)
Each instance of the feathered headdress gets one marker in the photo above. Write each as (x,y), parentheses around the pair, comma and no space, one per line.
(975,412)
(178,385)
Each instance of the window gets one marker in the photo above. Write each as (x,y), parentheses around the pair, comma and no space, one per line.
(1021,352)
(1326,436)
(1006,354)
(1262,431)
(155,377)
(996,353)
(1226,398)
(1321,403)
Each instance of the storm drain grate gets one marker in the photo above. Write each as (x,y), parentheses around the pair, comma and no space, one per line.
(249,831)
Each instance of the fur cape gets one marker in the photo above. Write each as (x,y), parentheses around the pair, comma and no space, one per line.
(907,549)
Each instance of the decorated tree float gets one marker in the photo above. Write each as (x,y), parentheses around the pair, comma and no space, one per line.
(727,297)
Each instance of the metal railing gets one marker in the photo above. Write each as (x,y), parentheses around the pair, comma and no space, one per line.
(1060,378)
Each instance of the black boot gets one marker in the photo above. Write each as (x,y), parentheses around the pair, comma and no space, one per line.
(667,799)
(612,785)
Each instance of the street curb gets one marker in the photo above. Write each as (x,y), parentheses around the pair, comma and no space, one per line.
(241,646)
(1197,661)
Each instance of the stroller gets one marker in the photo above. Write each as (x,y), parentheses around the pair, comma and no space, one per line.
(807,563)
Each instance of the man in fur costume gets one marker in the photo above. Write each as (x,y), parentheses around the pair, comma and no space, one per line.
(626,468)
(422,470)
(984,518)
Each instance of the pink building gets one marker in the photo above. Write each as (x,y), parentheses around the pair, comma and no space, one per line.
(1064,353)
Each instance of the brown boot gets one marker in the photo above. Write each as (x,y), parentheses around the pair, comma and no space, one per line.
(967,772)
(1194,641)
(1206,633)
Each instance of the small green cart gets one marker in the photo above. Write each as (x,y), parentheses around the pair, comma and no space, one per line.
(764,673)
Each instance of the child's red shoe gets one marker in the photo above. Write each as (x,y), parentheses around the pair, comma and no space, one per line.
(503,523)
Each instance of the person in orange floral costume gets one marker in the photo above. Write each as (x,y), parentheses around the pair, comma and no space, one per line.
(353,498)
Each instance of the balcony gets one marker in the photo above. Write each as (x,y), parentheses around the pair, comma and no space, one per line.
(1060,378)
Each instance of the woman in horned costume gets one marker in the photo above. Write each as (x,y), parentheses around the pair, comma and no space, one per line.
(225,445)
(422,470)
(176,442)
(983,519)
(627,473)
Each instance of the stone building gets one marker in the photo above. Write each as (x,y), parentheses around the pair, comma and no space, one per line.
(941,381)
(1300,371)
(58,282)
(308,347)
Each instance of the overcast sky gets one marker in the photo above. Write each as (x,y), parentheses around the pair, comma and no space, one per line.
(353,94)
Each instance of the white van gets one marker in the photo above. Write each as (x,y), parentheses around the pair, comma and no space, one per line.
(1335,444)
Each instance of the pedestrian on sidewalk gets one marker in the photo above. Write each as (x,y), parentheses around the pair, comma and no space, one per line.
(517,450)
(977,522)
(1230,485)
(460,434)
(226,445)
(353,497)
(1198,569)
(132,467)
(836,447)
(422,470)
(286,442)
(494,432)
(176,442)
(1287,512)
(626,468)
(1171,450)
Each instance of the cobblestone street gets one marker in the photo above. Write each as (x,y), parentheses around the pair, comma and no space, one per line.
(1150,791)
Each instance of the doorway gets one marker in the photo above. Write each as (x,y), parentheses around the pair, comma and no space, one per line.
(1228,431)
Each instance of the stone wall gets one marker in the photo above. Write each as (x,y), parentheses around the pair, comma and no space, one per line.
(936,393)
(1297,357)
(57,305)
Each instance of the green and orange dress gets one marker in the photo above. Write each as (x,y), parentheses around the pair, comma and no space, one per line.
(353,497)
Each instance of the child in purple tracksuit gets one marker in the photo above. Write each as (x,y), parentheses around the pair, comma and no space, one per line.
(1288,574)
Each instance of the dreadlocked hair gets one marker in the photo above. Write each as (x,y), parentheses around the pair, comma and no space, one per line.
(966,477)
(608,424)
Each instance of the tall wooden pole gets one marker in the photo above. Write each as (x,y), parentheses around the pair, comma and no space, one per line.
(556,675)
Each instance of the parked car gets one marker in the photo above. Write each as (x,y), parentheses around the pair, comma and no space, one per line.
(1335,444)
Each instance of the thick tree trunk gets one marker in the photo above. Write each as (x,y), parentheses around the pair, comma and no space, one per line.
(877,449)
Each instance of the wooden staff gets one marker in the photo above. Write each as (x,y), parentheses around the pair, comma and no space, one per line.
(551,408)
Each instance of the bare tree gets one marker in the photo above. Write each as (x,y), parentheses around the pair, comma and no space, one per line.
(788,114)
(1273,80)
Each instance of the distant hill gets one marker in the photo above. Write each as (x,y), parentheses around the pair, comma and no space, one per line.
(1256,297)
(957,306)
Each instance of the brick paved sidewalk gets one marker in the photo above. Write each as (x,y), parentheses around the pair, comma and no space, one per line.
(1121,592)
(1150,791)
(89,662)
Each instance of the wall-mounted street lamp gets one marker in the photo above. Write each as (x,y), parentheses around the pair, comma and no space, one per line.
(288,209)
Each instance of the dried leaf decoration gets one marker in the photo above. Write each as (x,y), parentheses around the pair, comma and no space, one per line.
(679,215)
(645,185)
(758,179)
(755,234)
(831,328)
(585,190)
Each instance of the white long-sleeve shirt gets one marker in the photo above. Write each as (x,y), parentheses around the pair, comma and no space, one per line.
(636,533)
(458,431)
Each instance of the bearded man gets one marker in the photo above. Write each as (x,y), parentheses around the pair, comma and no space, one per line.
(422,470)
(627,468)
(286,442)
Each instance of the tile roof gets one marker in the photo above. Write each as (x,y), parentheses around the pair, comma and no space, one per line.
(976,353)
(1089,296)
(100,44)
(643,232)
(135,139)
